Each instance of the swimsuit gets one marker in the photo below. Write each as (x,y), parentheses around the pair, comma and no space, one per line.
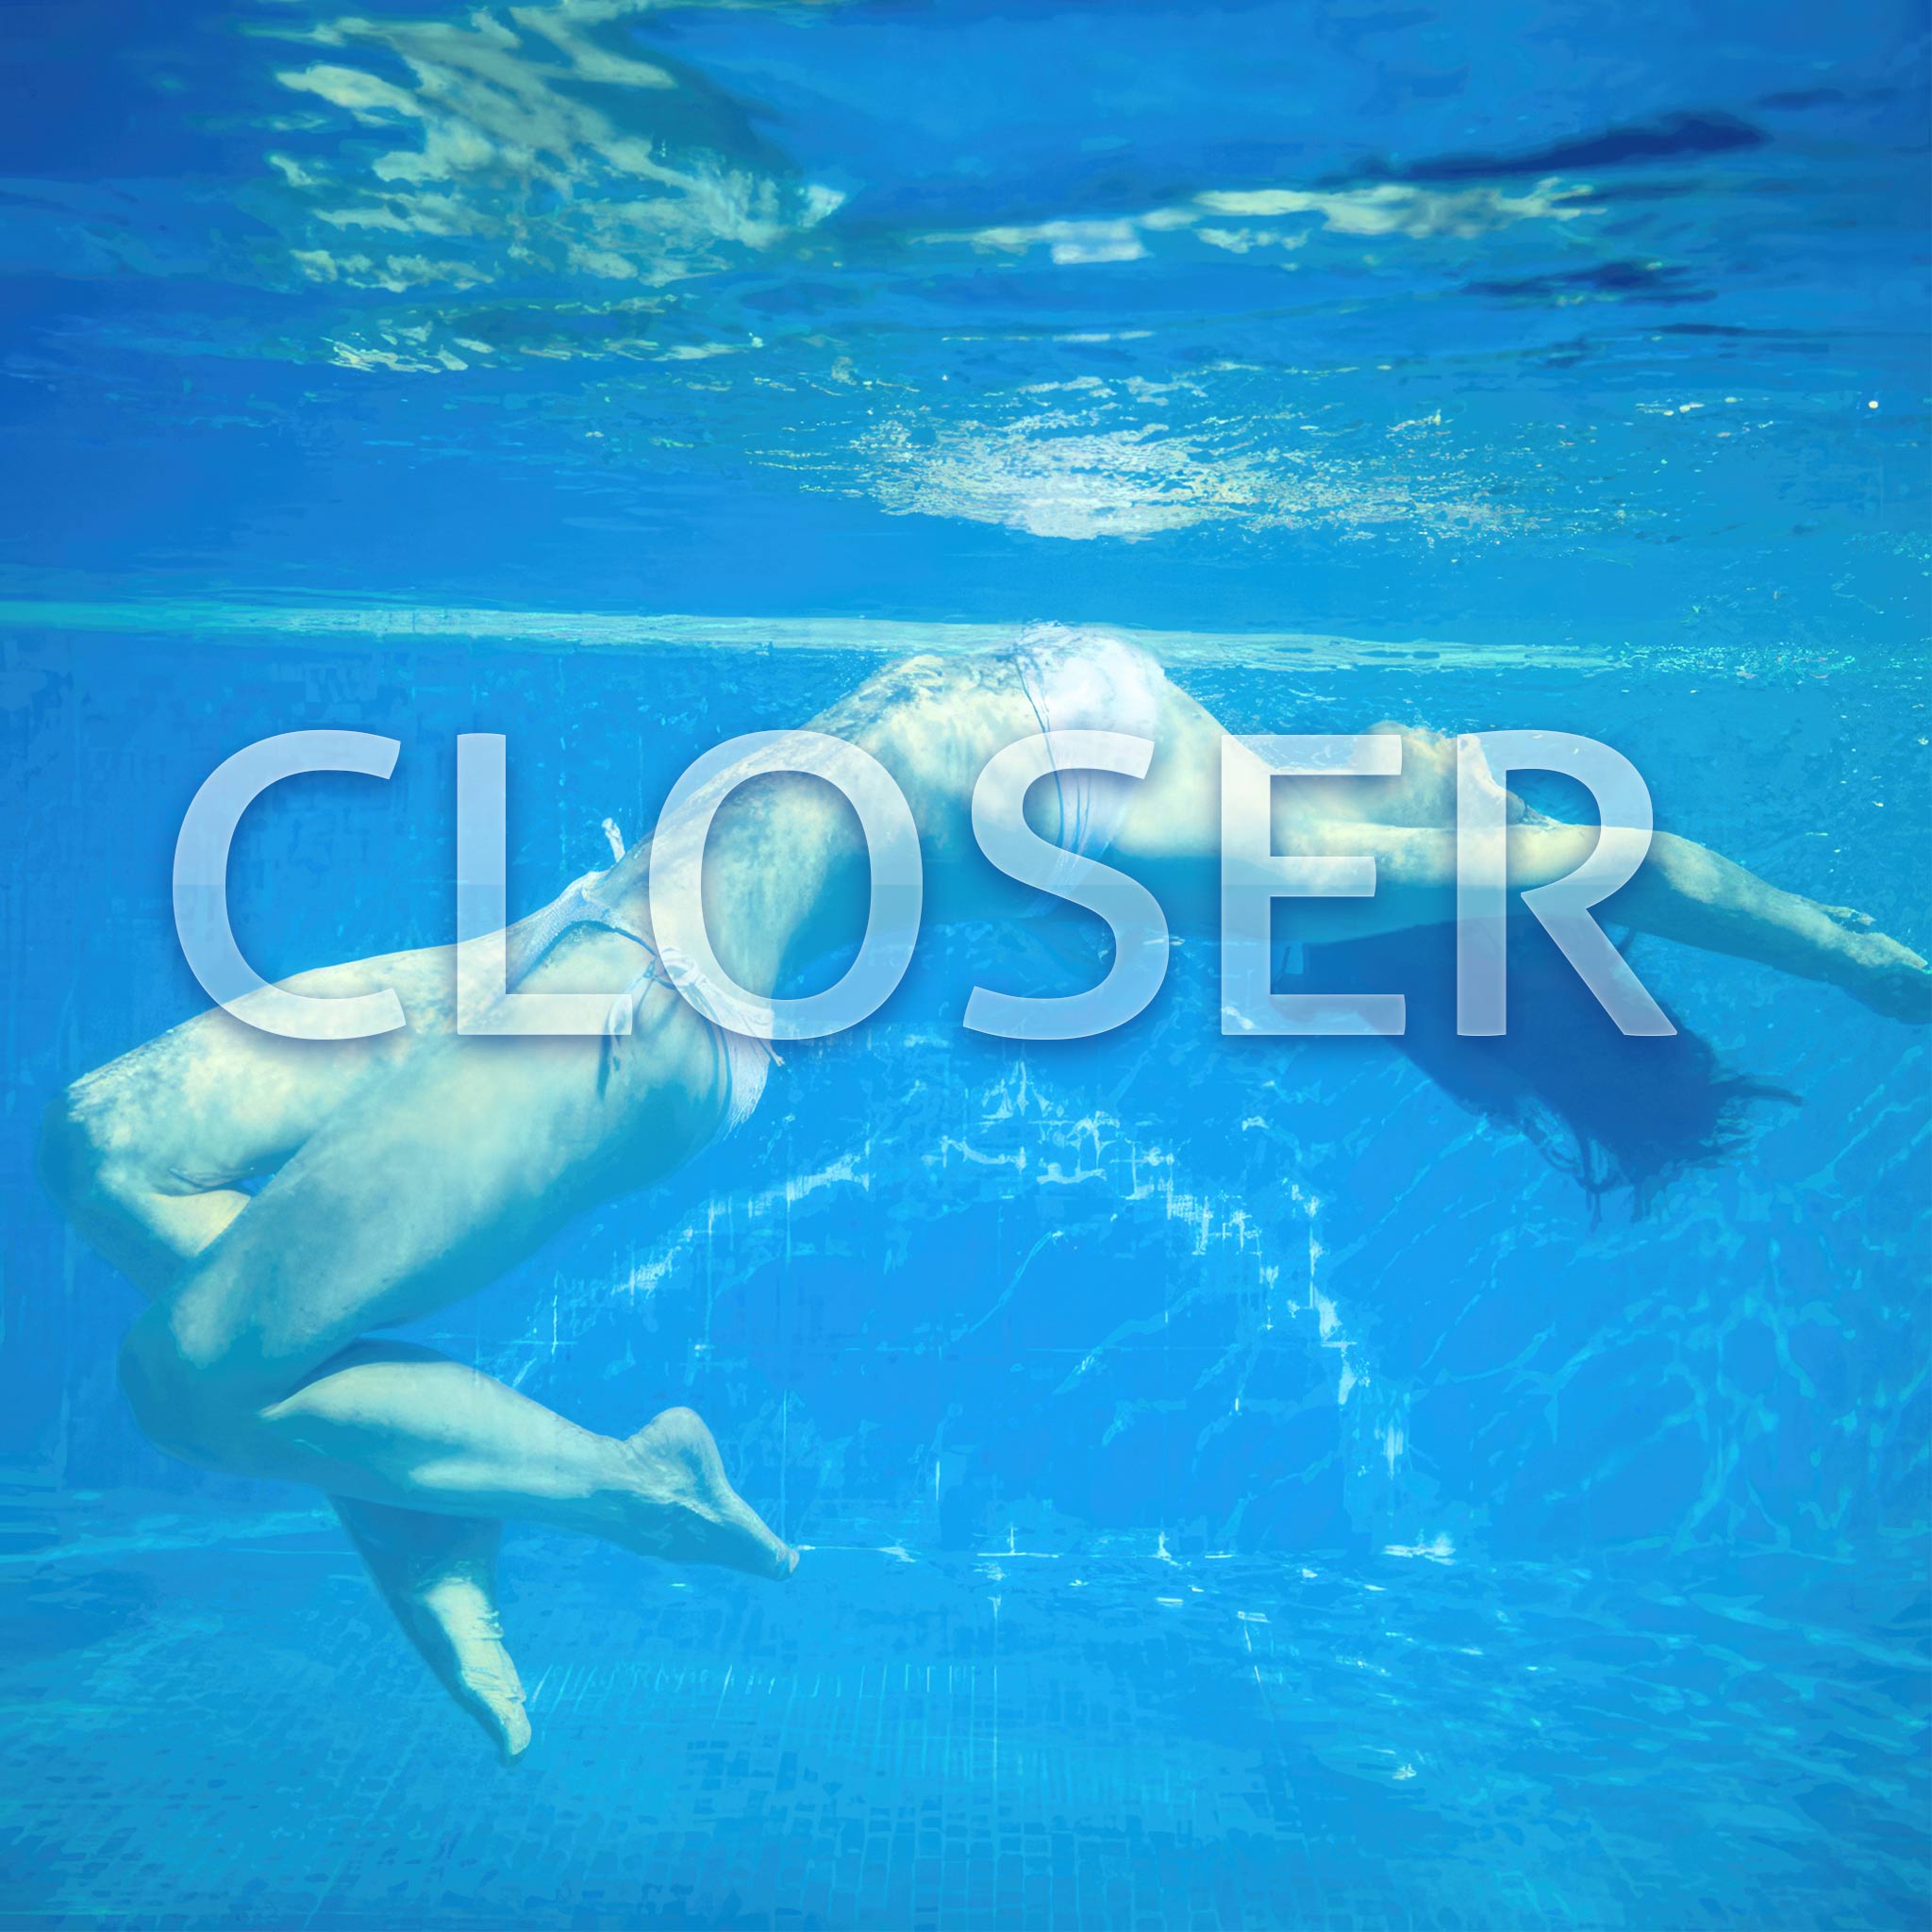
(746,1060)
(1074,680)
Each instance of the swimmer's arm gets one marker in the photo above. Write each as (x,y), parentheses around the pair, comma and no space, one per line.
(1683,892)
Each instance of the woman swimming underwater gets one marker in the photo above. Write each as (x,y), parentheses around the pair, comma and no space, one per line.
(410,1168)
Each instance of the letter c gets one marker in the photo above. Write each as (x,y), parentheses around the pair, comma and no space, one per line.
(201,887)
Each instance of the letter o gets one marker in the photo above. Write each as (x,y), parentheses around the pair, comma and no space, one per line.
(893,912)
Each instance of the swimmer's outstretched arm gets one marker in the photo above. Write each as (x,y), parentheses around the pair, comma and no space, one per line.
(1683,892)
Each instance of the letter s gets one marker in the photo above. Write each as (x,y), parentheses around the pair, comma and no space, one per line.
(1132,913)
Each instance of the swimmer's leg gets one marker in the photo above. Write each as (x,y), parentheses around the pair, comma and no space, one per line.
(414,1192)
(144,1155)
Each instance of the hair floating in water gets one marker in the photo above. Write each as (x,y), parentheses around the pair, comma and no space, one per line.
(1612,1110)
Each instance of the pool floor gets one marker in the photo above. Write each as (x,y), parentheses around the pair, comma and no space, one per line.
(209,1724)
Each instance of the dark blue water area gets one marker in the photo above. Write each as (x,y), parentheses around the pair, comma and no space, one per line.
(1237,1486)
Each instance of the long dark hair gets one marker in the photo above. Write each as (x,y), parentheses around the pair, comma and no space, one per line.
(1614,1110)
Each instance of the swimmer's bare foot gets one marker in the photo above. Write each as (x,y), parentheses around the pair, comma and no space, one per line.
(681,1508)
(439,1577)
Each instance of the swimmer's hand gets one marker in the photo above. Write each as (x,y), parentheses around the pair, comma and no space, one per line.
(1891,979)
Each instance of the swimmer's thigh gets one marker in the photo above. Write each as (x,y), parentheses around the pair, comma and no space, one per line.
(420,1187)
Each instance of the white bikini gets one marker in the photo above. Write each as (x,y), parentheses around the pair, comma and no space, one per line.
(747,1061)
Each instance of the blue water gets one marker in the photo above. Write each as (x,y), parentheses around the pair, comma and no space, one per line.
(1240,1488)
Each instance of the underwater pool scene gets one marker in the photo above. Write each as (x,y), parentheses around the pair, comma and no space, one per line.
(1239,1482)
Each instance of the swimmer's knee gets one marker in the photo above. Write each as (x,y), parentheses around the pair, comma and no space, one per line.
(183,1405)
(91,1161)
(89,1156)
